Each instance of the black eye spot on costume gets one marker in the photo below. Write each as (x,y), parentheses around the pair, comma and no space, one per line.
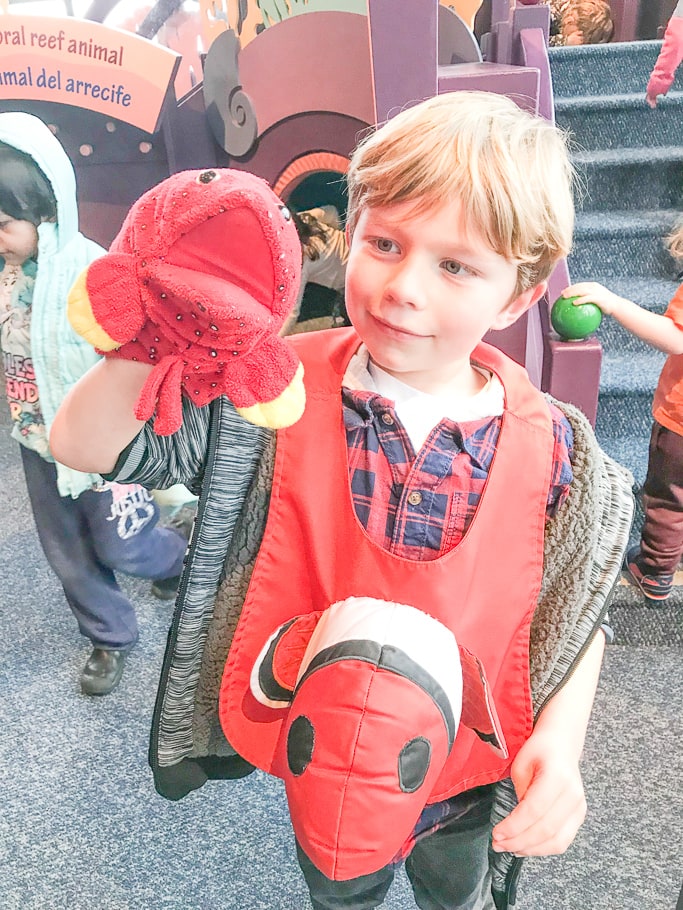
(207,177)
(413,763)
(300,745)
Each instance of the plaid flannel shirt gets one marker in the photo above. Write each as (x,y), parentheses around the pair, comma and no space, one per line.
(419,505)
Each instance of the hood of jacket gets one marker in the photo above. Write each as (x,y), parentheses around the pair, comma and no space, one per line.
(29,135)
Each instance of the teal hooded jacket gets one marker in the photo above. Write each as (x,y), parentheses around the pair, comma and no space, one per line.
(60,356)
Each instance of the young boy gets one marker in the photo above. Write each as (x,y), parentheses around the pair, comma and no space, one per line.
(426,470)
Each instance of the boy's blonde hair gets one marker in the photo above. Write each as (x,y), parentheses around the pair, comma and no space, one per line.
(674,241)
(508,169)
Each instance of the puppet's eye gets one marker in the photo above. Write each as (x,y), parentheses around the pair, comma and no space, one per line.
(413,764)
(207,176)
(300,745)
(286,214)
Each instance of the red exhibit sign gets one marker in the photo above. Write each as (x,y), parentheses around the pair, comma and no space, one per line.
(82,63)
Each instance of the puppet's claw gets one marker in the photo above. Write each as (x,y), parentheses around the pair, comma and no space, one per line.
(282,411)
(82,318)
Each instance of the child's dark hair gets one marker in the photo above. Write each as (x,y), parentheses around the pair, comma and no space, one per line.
(308,228)
(25,191)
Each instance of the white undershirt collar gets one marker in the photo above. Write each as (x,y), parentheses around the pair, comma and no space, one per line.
(420,412)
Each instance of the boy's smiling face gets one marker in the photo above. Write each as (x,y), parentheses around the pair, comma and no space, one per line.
(422,291)
(18,239)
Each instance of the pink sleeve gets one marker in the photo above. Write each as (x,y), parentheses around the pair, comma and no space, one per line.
(669,58)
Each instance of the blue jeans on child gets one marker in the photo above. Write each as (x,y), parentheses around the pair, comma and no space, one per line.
(448,868)
(86,539)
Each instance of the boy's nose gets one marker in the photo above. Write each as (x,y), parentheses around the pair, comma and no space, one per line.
(406,285)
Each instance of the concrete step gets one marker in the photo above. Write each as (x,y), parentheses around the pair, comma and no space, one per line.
(617,243)
(601,68)
(620,121)
(624,416)
(624,422)
(630,453)
(630,178)
(631,372)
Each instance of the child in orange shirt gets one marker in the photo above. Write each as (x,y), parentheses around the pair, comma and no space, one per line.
(652,564)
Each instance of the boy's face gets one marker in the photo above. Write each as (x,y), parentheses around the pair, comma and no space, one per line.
(422,291)
(18,239)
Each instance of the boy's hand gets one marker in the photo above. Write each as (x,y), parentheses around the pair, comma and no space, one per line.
(592,292)
(552,804)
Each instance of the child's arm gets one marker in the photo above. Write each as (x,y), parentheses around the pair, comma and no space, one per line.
(669,58)
(659,331)
(546,775)
(95,422)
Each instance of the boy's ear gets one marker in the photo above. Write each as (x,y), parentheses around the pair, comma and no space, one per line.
(519,305)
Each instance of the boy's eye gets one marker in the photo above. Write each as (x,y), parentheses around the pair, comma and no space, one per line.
(385,246)
(453,267)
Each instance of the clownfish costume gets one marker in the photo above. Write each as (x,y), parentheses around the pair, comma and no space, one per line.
(375,693)
(199,282)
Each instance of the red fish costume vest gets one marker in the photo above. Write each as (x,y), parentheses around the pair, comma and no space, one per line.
(315,553)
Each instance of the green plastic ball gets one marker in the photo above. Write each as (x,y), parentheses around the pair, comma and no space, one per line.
(574,323)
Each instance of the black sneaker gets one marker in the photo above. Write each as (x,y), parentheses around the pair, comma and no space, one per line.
(654,587)
(102,671)
(165,588)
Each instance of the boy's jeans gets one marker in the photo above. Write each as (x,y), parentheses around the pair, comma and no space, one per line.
(448,870)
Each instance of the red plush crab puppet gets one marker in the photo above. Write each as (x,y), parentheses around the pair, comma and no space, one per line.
(198,283)
(376,692)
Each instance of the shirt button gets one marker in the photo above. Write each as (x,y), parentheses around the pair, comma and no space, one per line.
(387,419)
(415,498)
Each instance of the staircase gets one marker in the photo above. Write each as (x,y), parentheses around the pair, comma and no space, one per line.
(630,161)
